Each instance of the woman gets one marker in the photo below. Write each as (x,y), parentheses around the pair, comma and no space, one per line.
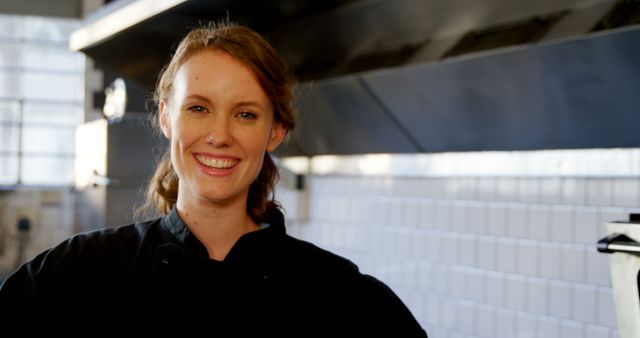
(220,256)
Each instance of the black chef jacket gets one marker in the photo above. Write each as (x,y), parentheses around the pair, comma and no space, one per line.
(157,275)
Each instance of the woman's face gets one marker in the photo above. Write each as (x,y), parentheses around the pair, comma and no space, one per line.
(220,123)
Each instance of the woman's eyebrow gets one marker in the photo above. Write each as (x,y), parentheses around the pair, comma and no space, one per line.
(249,104)
(199,98)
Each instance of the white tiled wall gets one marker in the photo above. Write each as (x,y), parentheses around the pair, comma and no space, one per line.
(477,256)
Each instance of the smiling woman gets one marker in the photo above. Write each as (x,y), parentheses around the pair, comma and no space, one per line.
(220,123)
(220,257)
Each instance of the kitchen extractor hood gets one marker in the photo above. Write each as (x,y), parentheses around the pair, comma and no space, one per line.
(581,93)
(415,76)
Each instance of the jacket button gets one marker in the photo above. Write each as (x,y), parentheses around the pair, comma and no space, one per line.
(165,261)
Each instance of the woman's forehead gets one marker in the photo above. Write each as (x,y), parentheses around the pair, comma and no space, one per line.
(216,72)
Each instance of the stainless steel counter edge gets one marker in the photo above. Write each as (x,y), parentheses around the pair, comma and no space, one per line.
(605,163)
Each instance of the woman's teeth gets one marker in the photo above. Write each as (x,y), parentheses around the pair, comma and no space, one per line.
(216,163)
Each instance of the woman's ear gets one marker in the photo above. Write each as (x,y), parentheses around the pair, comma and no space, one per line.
(278,133)
(165,123)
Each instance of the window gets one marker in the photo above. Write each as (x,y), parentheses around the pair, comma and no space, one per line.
(41,100)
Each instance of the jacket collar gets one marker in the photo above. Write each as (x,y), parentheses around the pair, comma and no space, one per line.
(249,246)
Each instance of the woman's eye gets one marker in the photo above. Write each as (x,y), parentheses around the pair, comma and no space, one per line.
(197,109)
(247,115)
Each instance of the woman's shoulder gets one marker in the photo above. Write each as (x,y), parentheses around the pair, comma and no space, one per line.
(87,261)
(108,245)
(118,237)
(338,283)
(311,259)
(307,255)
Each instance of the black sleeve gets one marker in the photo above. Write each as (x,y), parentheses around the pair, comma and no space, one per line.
(384,313)
(49,279)
(29,285)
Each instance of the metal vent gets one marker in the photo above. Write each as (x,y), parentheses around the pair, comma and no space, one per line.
(624,13)
(382,59)
(522,32)
(331,65)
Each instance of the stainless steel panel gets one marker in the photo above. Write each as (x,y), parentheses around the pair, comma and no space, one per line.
(133,148)
(567,164)
(574,94)
(341,117)
(116,170)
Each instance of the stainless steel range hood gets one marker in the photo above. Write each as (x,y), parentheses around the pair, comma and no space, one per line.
(406,77)
(581,93)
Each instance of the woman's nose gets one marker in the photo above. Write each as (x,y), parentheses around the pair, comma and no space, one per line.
(219,134)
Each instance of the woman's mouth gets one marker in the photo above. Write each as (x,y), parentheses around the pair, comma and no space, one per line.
(216,163)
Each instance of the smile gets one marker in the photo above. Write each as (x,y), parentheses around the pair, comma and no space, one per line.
(216,163)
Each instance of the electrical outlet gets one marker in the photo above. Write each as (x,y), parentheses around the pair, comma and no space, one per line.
(31,214)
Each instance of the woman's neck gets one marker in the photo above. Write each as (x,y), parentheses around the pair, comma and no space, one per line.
(218,227)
